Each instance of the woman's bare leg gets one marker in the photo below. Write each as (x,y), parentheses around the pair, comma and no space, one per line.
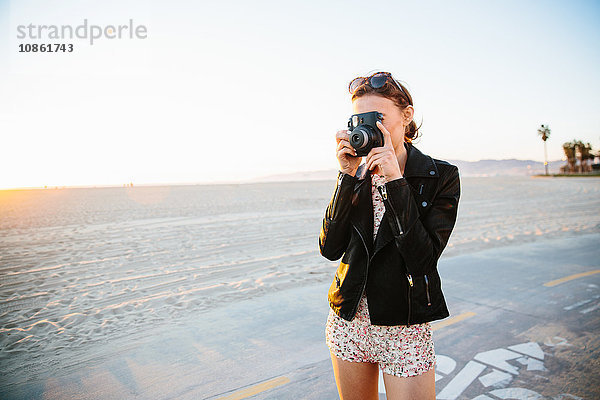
(356,380)
(420,387)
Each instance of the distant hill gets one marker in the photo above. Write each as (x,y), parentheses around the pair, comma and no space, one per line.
(479,168)
(505,167)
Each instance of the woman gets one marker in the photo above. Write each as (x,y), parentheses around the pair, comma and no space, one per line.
(389,219)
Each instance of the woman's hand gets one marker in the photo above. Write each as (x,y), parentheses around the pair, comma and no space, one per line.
(384,157)
(346,154)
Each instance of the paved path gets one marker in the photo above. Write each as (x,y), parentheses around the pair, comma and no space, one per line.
(524,325)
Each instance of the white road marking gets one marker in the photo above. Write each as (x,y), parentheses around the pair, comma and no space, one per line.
(592,308)
(461,381)
(497,358)
(579,303)
(529,354)
(495,377)
(568,396)
(516,394)
(444,364)
(530,348)
(532,364)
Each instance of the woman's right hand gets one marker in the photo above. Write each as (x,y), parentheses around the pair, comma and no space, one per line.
(346,154)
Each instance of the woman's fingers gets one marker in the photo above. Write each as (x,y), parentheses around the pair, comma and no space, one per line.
(342,135)
(345,150)
(378,150)
(387,136)
(344,143)
(346,154)
(375,160)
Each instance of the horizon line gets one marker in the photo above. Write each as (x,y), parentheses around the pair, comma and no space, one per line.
(258,179)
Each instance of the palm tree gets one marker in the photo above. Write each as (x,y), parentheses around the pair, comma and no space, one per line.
(544,132)
(569,149)
(589,157)
(582,152)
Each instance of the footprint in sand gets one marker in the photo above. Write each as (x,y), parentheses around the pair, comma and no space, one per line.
(99,315)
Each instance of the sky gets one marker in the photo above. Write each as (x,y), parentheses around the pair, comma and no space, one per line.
(234,90)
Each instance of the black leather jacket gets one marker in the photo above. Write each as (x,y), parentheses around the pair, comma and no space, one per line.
(399,269)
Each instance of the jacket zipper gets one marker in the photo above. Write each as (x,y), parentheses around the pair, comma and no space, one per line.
(367,272)
(383,192)
(410,282)
(335,196)
(427,290)
(384,196)
(409,277)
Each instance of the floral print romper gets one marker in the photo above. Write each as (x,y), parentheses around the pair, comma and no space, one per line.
(399,350)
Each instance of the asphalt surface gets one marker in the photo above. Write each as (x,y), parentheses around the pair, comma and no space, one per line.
(524,324)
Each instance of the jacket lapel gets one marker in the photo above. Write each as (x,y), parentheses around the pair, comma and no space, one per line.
(418,165)
(362,218)
(384,233)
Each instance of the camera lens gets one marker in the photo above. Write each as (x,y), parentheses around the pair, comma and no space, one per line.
(359,137)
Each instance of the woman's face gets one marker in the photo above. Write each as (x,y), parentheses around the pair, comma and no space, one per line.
(394,119)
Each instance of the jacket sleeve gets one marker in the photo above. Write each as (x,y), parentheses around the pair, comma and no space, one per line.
(421,241)
(335,229)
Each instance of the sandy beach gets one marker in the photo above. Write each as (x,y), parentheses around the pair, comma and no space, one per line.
(200,291)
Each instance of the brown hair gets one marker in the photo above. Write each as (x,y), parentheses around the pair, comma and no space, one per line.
(400,98)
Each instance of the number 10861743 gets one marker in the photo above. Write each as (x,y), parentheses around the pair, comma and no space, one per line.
(45,48)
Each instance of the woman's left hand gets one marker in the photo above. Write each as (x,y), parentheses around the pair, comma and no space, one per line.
(384,157)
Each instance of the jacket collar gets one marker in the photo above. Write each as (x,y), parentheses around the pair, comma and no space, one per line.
(417,165)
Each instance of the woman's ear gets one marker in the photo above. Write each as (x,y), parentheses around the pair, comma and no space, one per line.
(408,113)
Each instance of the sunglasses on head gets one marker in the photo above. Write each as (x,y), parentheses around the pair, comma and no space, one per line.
(376,81)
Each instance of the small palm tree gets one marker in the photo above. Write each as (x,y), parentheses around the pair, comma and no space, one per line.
(569,149)
(544,132)
(589,157)
(585,153)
